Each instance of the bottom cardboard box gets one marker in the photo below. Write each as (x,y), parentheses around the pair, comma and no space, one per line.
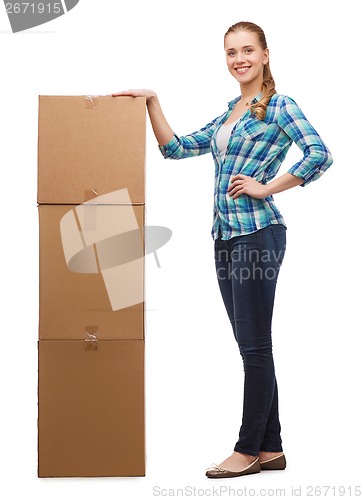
(91,408)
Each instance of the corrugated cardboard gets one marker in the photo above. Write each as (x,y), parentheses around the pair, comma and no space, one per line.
(70,301)
(91,409)
(89,146)
(91,346)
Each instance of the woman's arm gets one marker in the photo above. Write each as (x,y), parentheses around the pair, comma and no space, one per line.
(160,126)
(315,161)
(316,156)
(170,145)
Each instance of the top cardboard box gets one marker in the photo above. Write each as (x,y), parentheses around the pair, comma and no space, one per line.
(89,146)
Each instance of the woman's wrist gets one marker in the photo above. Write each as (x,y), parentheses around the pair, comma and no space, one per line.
(267,191)
(151,99)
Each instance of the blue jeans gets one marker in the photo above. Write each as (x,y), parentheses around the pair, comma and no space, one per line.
(247,269)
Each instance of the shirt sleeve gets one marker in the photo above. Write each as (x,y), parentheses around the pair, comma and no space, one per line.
(316,156)
(195,144)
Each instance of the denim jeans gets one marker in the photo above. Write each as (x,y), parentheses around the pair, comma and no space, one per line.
(247,269)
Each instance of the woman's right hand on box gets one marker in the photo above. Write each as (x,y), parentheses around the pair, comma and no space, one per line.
(136,93)
(162,130)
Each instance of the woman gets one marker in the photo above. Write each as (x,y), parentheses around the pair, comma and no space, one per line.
(248,143)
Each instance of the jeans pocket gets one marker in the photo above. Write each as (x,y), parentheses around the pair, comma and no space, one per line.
(279,234)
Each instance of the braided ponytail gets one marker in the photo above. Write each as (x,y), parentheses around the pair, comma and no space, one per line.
(268,85)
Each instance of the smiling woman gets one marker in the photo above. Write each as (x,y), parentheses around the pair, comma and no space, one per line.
(249,143)
(246,60)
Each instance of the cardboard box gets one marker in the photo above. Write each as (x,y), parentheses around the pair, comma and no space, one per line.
(89,146)
(70,301)
(91,408)
(91,153)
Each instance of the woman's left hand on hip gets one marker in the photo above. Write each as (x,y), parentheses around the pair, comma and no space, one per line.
(243,184)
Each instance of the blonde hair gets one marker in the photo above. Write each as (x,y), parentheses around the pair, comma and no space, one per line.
(268,85)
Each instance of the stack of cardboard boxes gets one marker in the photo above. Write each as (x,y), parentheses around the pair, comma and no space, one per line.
(91,156)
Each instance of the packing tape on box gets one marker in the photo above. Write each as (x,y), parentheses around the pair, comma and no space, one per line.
(90,193)
(91,101)
(102,235)
(91,338)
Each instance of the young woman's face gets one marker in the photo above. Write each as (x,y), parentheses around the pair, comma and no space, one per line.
(245,57)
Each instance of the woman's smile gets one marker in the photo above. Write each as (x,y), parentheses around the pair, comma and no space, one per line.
(241,70)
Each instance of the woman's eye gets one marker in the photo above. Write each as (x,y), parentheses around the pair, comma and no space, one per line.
(248,51)
(231,53)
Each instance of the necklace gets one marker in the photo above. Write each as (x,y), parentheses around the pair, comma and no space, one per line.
(248,103)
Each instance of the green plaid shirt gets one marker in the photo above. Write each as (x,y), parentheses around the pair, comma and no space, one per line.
(256,148)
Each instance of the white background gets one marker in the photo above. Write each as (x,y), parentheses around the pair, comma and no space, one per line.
(194,373)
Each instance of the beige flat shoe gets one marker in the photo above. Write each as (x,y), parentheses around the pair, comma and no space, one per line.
(216,472)
(276,463)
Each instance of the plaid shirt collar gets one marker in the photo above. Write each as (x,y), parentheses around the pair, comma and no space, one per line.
(232,103)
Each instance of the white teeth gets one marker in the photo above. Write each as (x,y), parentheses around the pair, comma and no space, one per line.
(242,70)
